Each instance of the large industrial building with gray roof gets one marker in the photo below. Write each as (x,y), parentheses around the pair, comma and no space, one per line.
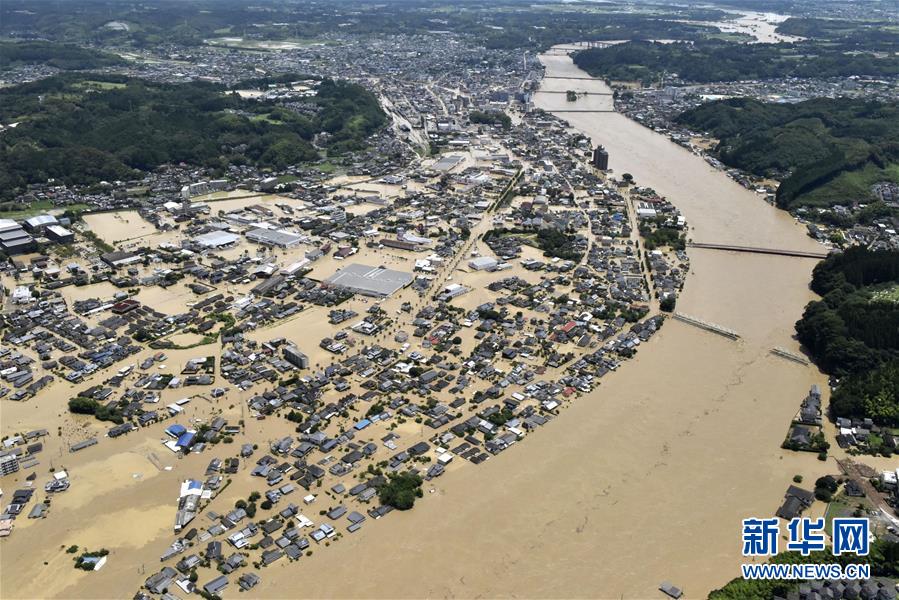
(369,281)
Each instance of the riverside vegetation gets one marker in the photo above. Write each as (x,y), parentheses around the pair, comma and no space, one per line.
(883,559)
(708,60)
(851,332)
(827,150)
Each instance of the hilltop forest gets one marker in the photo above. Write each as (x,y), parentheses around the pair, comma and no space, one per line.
(66,57)
(852,332)
(81,129)
(707,60)
(827,151)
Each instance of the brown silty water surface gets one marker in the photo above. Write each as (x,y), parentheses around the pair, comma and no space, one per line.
(643,480)
(647,478)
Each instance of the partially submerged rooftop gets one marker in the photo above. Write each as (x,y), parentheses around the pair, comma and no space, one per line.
(368,280)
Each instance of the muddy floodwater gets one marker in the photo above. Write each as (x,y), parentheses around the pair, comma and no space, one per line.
(644,480)
(647,478)
(762,27)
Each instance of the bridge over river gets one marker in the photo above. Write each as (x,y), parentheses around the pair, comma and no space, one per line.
(757,250)
(581,92)
(577,79)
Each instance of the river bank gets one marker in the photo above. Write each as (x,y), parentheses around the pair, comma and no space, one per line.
(647,478)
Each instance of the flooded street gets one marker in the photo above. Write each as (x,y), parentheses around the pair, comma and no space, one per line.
(647,478)
(644,480)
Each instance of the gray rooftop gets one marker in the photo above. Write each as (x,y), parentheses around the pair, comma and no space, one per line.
(274,237)
(447,162)
(215,239)
(371,281)
(41,220)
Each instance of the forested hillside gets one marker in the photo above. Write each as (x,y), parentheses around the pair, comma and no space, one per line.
(67,57)
(84,129)
(499,24)
(853,331)
(883,560)
(828,151)
(703,61)
(863,32)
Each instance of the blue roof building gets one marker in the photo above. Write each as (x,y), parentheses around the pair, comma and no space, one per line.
(176,431)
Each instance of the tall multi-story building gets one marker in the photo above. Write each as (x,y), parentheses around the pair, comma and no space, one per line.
(293,355)
(600,158)
(9,464)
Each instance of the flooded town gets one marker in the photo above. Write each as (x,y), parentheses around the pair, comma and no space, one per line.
(482,324)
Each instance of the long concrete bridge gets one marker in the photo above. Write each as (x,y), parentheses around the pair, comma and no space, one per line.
(574,78)
(584,110)
(714,328)
(578,92)
(755,250)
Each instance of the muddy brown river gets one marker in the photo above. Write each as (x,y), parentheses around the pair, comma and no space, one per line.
(644,480)
(647,478)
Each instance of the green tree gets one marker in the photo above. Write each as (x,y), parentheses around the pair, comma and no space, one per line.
(401,490)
